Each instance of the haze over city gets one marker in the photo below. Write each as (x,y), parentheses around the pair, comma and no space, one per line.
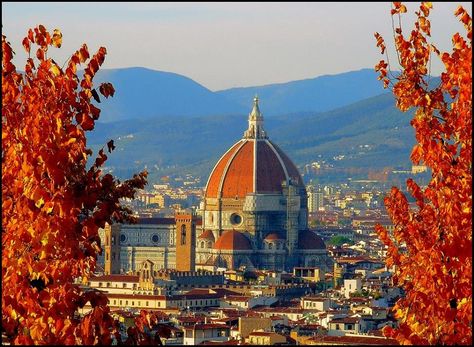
(225,45)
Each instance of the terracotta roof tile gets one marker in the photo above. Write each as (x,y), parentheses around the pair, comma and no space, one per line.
(232,240)
(207,235)
(238,180)
(290,167)
(273,237)
(215,177)
(309,240)
(236,172)
(270,173)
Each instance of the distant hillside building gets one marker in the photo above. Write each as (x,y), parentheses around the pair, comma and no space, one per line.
(315,199)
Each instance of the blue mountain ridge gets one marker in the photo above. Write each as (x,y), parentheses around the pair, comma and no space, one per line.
(143,93)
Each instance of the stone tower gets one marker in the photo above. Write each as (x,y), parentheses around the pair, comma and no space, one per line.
(185,241)
(112,249)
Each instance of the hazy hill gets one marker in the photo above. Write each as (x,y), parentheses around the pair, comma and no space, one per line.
(317,94)
(368,133)
(143,93)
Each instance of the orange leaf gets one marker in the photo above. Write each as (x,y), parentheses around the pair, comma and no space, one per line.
(57,38)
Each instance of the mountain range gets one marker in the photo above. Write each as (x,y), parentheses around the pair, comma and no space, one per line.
(173,125)
(145,93)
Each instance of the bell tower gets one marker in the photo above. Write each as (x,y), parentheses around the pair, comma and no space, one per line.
(185,241)
(112,249)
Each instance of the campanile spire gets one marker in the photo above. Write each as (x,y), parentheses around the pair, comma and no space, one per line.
(255,129)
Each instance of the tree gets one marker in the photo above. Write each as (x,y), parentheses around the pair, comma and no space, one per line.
(431,246)
(339,240)
(52,203)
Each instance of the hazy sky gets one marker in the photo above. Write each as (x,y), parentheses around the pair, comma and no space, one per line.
(224,45)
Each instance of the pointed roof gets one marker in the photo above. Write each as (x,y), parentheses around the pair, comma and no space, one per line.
(255,129)
(255,113)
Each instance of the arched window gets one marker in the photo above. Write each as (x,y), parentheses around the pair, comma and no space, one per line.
(183,234)
(270,246)
(202,244)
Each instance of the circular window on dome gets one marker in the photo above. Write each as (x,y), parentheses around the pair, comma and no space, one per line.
(235,219)
(155,238)
(123,238)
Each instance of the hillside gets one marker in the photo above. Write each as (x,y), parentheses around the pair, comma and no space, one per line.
(368,133)
(317,94)
(142,93)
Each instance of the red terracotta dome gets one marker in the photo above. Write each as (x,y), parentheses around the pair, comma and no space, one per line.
(232,240)
(252,165)
(309,240)
(207,235)
(272,237)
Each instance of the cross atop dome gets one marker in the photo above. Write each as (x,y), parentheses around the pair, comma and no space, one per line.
(255,129)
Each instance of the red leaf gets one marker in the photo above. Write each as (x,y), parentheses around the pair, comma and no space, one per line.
(106,89)
(26,45)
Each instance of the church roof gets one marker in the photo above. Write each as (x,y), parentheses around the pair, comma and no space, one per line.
(252,165)
(309,240)
(273,237)
(232,240)
(207,235)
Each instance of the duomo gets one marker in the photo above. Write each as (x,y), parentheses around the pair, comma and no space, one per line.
(254,216)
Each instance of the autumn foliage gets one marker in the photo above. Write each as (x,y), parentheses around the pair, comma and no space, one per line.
(53,202)
(431,246)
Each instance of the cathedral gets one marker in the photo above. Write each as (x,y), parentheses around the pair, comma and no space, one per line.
(255,209)
(254,216)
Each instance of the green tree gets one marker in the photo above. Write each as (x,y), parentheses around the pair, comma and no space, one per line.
(339,240)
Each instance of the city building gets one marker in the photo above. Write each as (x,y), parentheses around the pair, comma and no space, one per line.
(315,199)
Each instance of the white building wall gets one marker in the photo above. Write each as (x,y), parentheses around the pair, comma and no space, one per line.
(351,286)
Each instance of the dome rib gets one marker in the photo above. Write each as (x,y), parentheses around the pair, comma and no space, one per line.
(289,165)
(270,173)
(237,179)
(279,159)
(214,181)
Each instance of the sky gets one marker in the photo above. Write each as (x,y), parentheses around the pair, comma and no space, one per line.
(223,45)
